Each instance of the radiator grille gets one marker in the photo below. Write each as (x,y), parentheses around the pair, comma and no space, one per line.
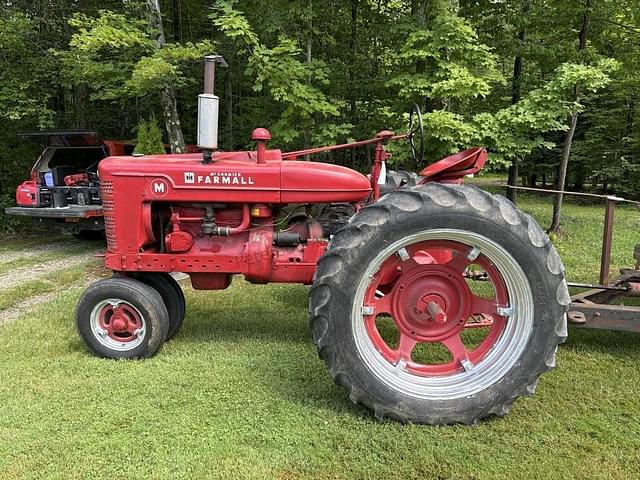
(108,207)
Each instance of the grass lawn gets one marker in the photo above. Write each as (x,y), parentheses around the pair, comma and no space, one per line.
(240,393)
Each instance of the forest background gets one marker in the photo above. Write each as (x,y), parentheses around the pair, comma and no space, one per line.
(549,87)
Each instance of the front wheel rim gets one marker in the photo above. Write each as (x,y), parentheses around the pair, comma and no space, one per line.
(117,325)
(419,281)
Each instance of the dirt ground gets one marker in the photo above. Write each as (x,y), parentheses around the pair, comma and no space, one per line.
(62,264)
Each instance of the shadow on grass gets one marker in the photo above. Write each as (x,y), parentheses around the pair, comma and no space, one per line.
(618,344)
(273,328)
(276,319)
(287,365)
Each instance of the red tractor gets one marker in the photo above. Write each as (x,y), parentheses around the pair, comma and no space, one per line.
(398,313)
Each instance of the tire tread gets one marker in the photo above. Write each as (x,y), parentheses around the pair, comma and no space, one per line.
(359,230)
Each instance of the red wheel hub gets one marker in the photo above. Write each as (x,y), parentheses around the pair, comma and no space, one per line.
(121,322)
(424,290)
(430,301)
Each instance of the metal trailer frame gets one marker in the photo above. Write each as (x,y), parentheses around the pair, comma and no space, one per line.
(595,308)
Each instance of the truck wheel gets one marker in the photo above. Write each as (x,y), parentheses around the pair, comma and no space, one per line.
(122,318)
(171,294)
(392,305)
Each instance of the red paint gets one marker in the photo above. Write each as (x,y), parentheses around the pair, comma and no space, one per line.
(120,322)
(430,302)
(178,242)
(220,219)
(455,167)
(261,136)
(27,194)
(77,179)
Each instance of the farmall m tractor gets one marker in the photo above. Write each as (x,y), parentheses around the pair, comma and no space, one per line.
(393,260)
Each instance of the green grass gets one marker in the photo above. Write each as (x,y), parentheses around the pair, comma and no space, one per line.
(240,393)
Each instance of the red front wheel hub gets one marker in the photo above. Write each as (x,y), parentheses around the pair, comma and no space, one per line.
(117,324)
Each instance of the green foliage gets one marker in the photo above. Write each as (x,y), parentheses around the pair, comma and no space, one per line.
(305,110)
(321,72)
(233,24)
(519,129)
(453,66)
(116,57)
(24,79)
(9,225)
(452,69)
(149,139)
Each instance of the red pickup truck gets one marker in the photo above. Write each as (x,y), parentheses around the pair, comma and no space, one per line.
(63,192)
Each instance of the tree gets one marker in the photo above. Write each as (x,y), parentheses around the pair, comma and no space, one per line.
(516,93)
(149,138)
(573,122)
(118,57)
(167,93)
(294,86)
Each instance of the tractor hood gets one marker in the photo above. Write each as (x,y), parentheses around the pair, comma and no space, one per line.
(234,177)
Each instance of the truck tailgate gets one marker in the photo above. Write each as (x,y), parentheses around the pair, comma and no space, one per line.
(74,211)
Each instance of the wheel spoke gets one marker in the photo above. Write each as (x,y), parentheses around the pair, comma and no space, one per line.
(483,305)
(462,259)
(405,348)
(458,351)
(383,304)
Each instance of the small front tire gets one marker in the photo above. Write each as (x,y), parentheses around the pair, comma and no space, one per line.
(122,318)
(171,294)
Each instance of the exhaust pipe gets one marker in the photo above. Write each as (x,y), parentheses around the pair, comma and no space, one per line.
(208,106)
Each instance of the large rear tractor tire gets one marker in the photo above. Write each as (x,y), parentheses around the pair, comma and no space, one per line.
(122,318)
(171,294)
(400,322)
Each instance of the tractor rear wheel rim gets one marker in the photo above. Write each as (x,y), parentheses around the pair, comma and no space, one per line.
(418,281)
(117,324)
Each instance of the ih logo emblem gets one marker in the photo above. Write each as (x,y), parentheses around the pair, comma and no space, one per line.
(189,177)
(159,187)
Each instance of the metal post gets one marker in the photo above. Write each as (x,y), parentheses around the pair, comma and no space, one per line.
(208,105)
(607,237)
(210,73)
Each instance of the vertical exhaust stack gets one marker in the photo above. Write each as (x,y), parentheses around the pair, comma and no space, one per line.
(208,104)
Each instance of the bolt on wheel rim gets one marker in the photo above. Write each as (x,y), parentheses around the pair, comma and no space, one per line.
(117,324)
(420,283)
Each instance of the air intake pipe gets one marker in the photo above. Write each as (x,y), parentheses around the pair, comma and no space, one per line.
(208,104)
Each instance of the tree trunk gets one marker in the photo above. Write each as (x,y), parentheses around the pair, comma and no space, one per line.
(352,70)
(573,122)
(171,119)
(80,106)
(167,95)
(177,20)
(562,173)
(578,184)
(307,135)
(516,93)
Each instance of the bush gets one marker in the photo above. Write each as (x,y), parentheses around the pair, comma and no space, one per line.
(149,140)
(10,225)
